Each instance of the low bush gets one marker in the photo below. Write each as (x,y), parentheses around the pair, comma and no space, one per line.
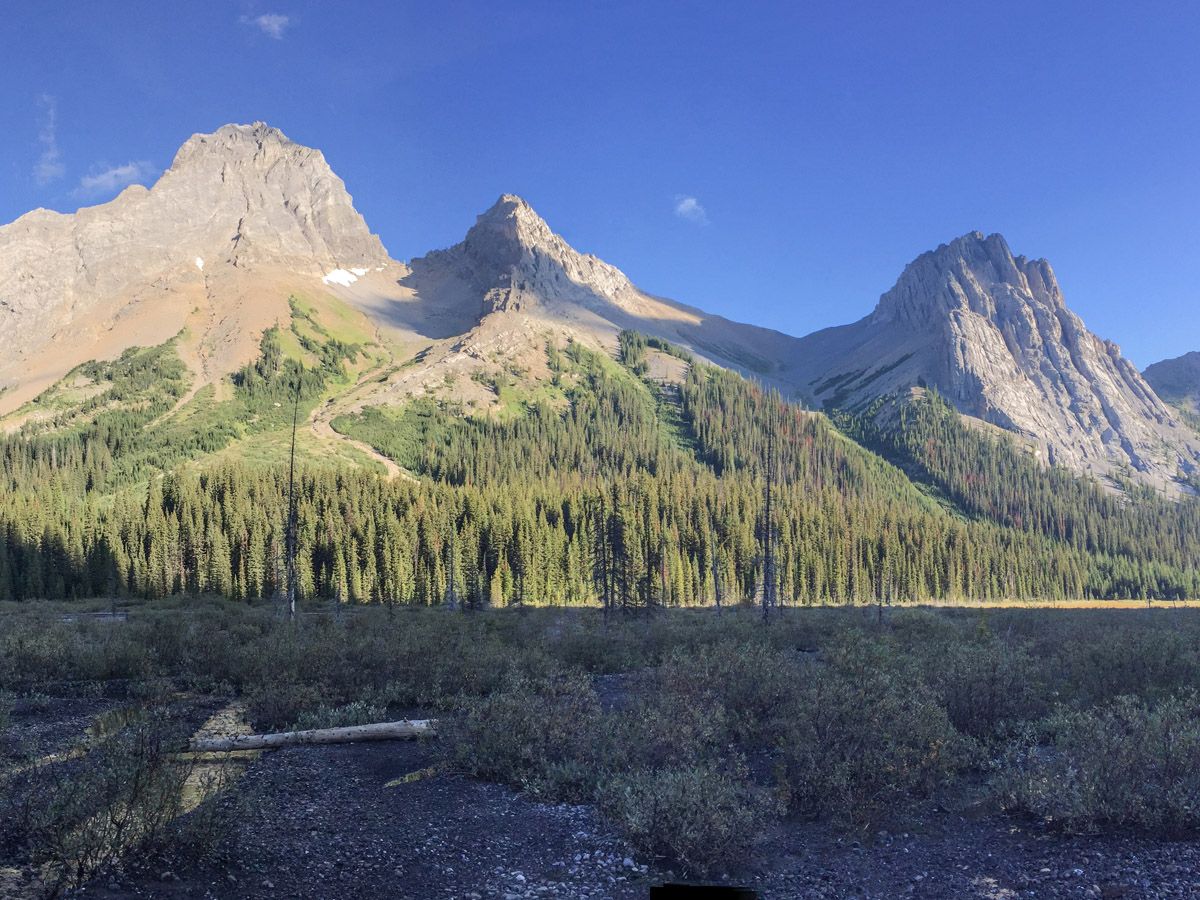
(79,817)
(360,712)
(1129,762)
(208,830)
(667,729)
(544,735)
(750,681)
(1148,661)
(857,745)
(274,705)
(987,686)
(700,816)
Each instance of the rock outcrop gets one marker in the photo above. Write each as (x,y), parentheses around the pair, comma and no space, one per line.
(991,332)
(244,217)
(517,262)
(241,202)
(521,275)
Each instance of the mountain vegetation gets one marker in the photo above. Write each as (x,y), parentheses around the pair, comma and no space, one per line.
(608,488)
(510,421)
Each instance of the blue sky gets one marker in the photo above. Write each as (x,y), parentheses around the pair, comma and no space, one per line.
(822,145)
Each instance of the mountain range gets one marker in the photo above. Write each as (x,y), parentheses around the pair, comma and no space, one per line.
(246,223)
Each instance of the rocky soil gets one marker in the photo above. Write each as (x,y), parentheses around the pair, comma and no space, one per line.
(381,819)
(323,822)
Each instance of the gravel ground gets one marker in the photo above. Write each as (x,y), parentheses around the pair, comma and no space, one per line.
(994,858)
(321,823)
(49,725)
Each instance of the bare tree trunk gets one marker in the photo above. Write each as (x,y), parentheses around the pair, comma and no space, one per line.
(291,523)
(768,597)
(379,731)
(716,572)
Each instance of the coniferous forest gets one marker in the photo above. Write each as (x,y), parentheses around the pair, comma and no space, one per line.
(630,493)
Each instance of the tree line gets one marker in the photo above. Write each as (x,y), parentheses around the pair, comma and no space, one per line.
(636,494)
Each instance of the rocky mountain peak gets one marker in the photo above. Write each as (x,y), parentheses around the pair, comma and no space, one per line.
(973,273)
(235,141)
(508,232)
(283,200)
(515,258)
(992,333)
(242,201)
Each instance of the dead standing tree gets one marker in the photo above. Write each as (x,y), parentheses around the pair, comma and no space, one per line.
(715,562)
(602,559)
(290,539)
(770,474)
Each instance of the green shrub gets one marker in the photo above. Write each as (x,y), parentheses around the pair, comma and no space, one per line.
(210,827)
(275,705)
(987,687)
(544,735)
(617,648)
(80,817)
(1127,763)
(667,729)
(750,681)
(856,745)
(698,815)
(360,712)
(1146,661)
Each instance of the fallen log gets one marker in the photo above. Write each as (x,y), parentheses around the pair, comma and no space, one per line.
(378,731)
(215,756)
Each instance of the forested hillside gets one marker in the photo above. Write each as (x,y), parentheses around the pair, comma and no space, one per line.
(609,485)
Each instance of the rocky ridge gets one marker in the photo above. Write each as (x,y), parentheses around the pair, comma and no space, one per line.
(241,205)
(992,333)
(244,217)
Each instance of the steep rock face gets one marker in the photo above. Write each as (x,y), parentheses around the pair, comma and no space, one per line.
(492,302)
(521,276)
(245,216)
(1177,381)
(513,258)
(992,333)
(240,201)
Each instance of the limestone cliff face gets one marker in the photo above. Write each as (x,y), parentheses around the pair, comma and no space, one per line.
(245,198)
(992,333)
(523,279)
(517,262)
(1177,381)
(245,216)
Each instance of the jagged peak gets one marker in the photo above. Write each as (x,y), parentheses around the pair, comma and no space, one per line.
(512,250)
(511,219)
(237,141)
(966,273)
(975,248)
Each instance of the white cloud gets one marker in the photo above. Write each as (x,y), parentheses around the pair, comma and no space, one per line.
(49,166)
(270,24)
(689,208)
(112,179)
